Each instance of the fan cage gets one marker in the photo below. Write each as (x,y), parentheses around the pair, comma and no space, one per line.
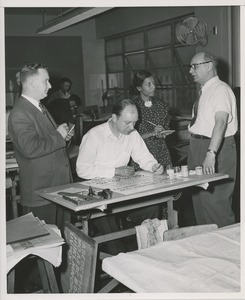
(192,31)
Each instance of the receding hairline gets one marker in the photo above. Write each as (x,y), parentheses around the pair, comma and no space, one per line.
(119,106)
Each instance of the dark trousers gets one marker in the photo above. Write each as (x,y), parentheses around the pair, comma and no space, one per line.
(50,213)
(110,224)
(214,205)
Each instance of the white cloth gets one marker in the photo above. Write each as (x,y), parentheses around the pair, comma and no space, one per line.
(150,232)
(203,263)
(101,152)
(47,247)
(216,96)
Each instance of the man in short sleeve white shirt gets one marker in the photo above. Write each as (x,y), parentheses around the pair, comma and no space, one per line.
(212,142)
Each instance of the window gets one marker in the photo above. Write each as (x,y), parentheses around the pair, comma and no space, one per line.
(156,49)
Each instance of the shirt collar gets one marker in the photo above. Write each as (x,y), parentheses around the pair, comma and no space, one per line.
(33,101)
(109,133)
(209,82)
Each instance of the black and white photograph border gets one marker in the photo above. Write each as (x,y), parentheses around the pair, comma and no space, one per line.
(5,87)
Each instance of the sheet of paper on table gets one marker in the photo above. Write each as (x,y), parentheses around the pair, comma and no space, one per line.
(204,263)
(139,182)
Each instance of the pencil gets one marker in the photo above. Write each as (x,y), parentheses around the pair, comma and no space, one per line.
(151,123)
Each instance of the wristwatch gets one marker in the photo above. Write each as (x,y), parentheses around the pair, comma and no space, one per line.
(212,151)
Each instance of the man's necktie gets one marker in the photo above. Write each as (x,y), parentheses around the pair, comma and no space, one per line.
(195,107)
(47,114)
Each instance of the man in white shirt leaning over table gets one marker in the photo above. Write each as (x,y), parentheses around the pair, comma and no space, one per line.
(106,150)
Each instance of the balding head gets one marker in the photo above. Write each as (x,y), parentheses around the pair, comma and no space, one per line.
(203,67)
(124,117)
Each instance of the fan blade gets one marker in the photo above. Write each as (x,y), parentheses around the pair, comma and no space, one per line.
(190,22)
(191,39)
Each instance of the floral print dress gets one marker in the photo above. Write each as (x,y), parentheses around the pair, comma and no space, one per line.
(157,114)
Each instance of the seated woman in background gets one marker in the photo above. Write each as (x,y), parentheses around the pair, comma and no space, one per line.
(153,117)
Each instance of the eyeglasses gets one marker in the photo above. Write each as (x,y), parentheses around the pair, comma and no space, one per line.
(194,66)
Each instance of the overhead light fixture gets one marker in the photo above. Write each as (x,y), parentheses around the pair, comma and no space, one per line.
(76,15)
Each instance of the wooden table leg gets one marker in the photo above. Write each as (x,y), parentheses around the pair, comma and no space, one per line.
(11,281)
(47,276)
(172,216)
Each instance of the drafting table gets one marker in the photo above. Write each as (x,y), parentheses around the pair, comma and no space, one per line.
(203,263)
(142,190)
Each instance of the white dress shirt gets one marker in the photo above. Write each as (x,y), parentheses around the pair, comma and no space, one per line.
(216,96)
(101,152)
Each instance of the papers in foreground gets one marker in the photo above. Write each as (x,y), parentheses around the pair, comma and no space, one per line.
(47,247)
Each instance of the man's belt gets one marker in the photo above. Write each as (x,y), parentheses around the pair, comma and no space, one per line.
(200,137)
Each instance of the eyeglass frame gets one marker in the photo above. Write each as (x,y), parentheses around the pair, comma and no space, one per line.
(194,66)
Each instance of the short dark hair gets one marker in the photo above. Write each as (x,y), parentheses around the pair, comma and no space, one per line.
(30,70)
(65,79)
(119,106)
(138,80)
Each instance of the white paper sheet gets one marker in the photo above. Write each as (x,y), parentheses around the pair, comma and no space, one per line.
(203,263)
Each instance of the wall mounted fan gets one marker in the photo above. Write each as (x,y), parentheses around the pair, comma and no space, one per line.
(192,31)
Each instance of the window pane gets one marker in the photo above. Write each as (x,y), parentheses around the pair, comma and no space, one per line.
(163,76)
(134,42)
(182,57)
(166,95)
(185,54)
(136,61)
(159,36)
(159,58)
(114,46)
(185,97)
(115,64)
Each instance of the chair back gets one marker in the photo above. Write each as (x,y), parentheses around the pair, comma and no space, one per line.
(78,131)
(78,262)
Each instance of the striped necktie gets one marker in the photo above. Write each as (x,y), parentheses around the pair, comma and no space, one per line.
(195,107)
(47,114)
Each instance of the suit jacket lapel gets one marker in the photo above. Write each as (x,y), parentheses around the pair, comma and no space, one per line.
(33,110)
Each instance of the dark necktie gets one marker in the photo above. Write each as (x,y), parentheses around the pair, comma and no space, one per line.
(195,107)
(47,114)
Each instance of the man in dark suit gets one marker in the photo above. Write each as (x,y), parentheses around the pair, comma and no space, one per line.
(39,145)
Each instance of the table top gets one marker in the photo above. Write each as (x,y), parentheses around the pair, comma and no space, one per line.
(204,263)
(140,185)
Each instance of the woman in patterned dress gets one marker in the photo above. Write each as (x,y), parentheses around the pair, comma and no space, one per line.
(151,111)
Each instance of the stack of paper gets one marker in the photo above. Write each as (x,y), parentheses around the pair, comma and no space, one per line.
(46,244)
(11,160)
(24,227)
